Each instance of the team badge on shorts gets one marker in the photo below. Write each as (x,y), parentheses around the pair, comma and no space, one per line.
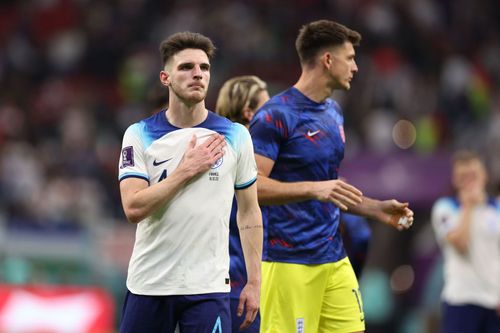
(300,325)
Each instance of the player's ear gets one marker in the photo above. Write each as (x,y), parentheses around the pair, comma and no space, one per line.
(327,59)
(165,78)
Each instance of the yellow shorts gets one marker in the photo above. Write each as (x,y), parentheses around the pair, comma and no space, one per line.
(300,298)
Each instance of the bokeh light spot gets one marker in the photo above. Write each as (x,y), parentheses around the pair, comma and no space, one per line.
(404,134)
(402,278)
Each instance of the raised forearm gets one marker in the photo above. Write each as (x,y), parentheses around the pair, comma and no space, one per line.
(368,208)
(139,203)
(391,212)
(459,237)
(274,192)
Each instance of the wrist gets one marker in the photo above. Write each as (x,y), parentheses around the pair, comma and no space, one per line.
(309,191)
(254,281)
(373,209)
(183,174)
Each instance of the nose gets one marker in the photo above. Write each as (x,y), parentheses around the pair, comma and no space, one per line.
(197,72)
(354,67)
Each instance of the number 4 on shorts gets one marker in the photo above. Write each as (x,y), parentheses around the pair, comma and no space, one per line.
(217,326)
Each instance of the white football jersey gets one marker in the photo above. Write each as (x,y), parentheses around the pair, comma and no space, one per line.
(474,277)
(182,249)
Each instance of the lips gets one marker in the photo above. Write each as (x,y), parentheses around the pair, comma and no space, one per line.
(196,85)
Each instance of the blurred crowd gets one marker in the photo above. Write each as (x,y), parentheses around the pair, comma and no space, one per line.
(75,73)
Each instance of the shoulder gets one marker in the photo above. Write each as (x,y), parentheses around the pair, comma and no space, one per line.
(443,216)
(495,203)
(334,104)
(281,107)
(284,100)
(234,133)
(152,121)
(156,120)
(446,204)
(137,130)
(334,107)
(218,123)
(214,118)
(239,130)
(448,201)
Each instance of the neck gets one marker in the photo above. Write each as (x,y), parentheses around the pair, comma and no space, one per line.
(184,115)
(313,84)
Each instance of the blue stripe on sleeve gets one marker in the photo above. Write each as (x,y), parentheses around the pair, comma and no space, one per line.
(245,185)
(133,175)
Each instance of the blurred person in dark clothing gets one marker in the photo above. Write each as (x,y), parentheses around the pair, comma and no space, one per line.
(356,235)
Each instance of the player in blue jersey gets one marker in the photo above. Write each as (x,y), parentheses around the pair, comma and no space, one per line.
(467,227)
(308,284)
(179,171)
(238,100)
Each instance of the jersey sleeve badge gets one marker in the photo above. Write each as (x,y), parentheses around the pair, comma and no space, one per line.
(127,157)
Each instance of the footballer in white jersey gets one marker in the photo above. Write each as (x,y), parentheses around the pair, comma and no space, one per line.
(473,278)
(467,227)
(183,248)
(178,172)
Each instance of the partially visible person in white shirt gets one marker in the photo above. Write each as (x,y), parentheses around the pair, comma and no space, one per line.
(467,227)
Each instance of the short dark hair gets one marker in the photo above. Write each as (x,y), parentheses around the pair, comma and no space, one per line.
(185,40)
(316,35)
(465,155)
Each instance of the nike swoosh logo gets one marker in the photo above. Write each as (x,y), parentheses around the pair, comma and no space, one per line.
(311,134)
(160,162)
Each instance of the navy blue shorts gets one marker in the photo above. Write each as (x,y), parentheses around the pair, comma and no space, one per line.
(207,313)
(236,321)
(469,319)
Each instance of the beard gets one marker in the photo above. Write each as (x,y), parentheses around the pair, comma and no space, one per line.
(189,98)
(340,84)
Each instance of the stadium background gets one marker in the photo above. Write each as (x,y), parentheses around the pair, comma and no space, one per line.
(75,73)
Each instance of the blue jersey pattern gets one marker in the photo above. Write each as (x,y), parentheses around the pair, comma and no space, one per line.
(306,141)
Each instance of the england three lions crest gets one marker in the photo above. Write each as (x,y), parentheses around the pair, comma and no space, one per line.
(217,163)
(213,173)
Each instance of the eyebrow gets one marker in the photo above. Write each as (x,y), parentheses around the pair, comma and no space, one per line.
(191,63)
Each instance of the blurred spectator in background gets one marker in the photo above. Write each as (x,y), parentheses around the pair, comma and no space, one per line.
(468,229)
